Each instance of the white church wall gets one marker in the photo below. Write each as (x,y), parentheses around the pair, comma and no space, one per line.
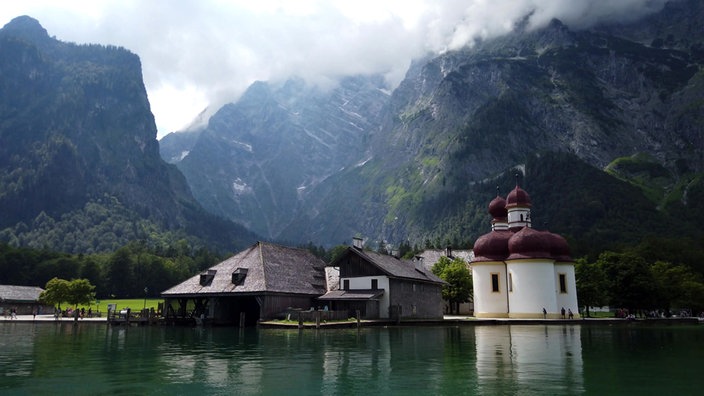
(533,288)
(487,302)
(567,299)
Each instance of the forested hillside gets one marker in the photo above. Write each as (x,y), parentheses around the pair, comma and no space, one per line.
(126,272)
(79,164)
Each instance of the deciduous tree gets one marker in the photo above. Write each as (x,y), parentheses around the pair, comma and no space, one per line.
(458,278)
(80,291)
(55,292)
(629,281)
(591,285)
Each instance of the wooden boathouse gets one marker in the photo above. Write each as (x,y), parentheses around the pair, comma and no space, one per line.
(258,283)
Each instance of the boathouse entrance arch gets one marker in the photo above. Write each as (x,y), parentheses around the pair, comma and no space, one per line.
(231,310)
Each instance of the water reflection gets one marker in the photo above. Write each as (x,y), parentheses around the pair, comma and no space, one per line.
(529,359)
(16,344)
(394,360)
(343,366)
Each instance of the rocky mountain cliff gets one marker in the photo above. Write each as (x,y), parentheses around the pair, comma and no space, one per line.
(79,161)
(258,159)
(426,160)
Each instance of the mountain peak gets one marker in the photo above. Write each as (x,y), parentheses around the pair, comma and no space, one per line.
(26,27)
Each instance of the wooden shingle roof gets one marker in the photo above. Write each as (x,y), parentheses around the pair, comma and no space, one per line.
(269,268)
(27,294)
(395,267)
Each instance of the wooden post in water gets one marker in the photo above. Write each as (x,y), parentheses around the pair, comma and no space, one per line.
(241,320)
(357,314)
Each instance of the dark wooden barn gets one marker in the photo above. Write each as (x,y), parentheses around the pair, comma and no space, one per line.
(381,286)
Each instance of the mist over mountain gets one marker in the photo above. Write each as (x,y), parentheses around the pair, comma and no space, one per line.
(79,161)
(258,159)
(622,98)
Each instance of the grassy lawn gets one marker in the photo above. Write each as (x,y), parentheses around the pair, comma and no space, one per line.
(136,304)
(600,314)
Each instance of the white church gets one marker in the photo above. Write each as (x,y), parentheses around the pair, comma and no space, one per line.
(520,272)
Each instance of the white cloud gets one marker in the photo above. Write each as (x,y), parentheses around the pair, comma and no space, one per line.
(206,52)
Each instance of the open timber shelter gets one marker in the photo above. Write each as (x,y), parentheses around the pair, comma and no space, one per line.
(23,299)
(256,284)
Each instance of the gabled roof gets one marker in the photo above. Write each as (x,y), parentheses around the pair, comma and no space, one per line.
(269,268)
(392,266)
(10,293)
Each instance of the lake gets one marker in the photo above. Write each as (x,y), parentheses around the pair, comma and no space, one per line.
(95,359)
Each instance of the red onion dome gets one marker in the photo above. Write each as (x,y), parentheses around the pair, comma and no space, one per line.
(497,208)
(518,197)
(559,248)
(529,243)
(492,246)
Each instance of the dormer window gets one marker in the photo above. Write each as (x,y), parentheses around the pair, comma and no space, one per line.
(206,278)
(238,276)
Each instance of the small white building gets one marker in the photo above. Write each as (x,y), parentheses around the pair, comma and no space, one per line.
(520,272)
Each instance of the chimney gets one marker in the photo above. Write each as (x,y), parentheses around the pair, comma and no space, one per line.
(418,261)
(358,243)
(395,253)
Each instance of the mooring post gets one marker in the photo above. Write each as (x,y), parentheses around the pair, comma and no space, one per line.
(357,314)
(241,320)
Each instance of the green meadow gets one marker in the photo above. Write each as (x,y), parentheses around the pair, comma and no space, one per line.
(135,304)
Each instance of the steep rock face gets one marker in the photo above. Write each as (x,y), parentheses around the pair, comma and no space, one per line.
(459,119)
(590,94)
(258,158)
(65,110)
(452,128)
(77,129)
(175,146)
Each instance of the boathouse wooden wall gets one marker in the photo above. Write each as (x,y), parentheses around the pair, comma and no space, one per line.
(274,305)
(227,309)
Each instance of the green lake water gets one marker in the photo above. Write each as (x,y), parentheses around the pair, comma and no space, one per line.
(95,359)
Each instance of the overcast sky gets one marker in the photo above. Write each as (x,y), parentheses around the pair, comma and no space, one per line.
(199,53)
